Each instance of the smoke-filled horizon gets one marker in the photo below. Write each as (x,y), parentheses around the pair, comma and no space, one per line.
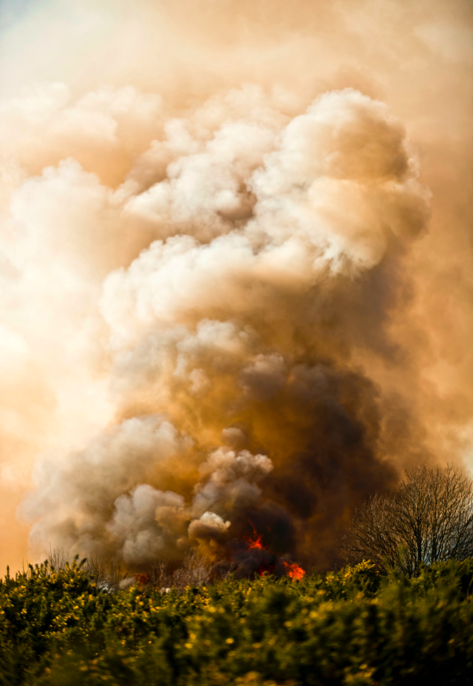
(236,270)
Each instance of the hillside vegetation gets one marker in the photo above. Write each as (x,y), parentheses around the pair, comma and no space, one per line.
(352,627)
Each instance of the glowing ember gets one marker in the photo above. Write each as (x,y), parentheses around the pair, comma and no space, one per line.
(294,571)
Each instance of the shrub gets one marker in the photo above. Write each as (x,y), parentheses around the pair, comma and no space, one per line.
(57,627)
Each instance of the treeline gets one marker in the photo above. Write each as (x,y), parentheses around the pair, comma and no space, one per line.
(353,627)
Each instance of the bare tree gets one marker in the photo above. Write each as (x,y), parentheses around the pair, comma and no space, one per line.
(427,518)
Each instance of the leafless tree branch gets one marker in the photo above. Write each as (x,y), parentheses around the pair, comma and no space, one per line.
(427,518)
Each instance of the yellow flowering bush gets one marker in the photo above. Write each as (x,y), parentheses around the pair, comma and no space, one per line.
(353,627)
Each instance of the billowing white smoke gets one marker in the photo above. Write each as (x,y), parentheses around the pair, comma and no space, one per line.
(93,503)
(221,292)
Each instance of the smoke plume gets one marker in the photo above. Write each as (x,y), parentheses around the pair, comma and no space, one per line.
(223,308)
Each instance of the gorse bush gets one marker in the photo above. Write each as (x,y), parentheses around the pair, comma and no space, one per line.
(194,570)
(352,627)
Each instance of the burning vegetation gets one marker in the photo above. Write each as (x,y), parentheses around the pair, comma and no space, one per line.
(262,561)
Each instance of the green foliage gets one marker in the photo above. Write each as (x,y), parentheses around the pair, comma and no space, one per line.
(354,627)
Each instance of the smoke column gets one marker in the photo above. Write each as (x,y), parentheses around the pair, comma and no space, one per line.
(236,269)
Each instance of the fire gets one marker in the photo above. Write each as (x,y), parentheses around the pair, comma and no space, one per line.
(294,571)
(256,542)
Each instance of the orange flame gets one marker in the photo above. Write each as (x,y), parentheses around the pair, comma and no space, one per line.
(294,571)
(256,542)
